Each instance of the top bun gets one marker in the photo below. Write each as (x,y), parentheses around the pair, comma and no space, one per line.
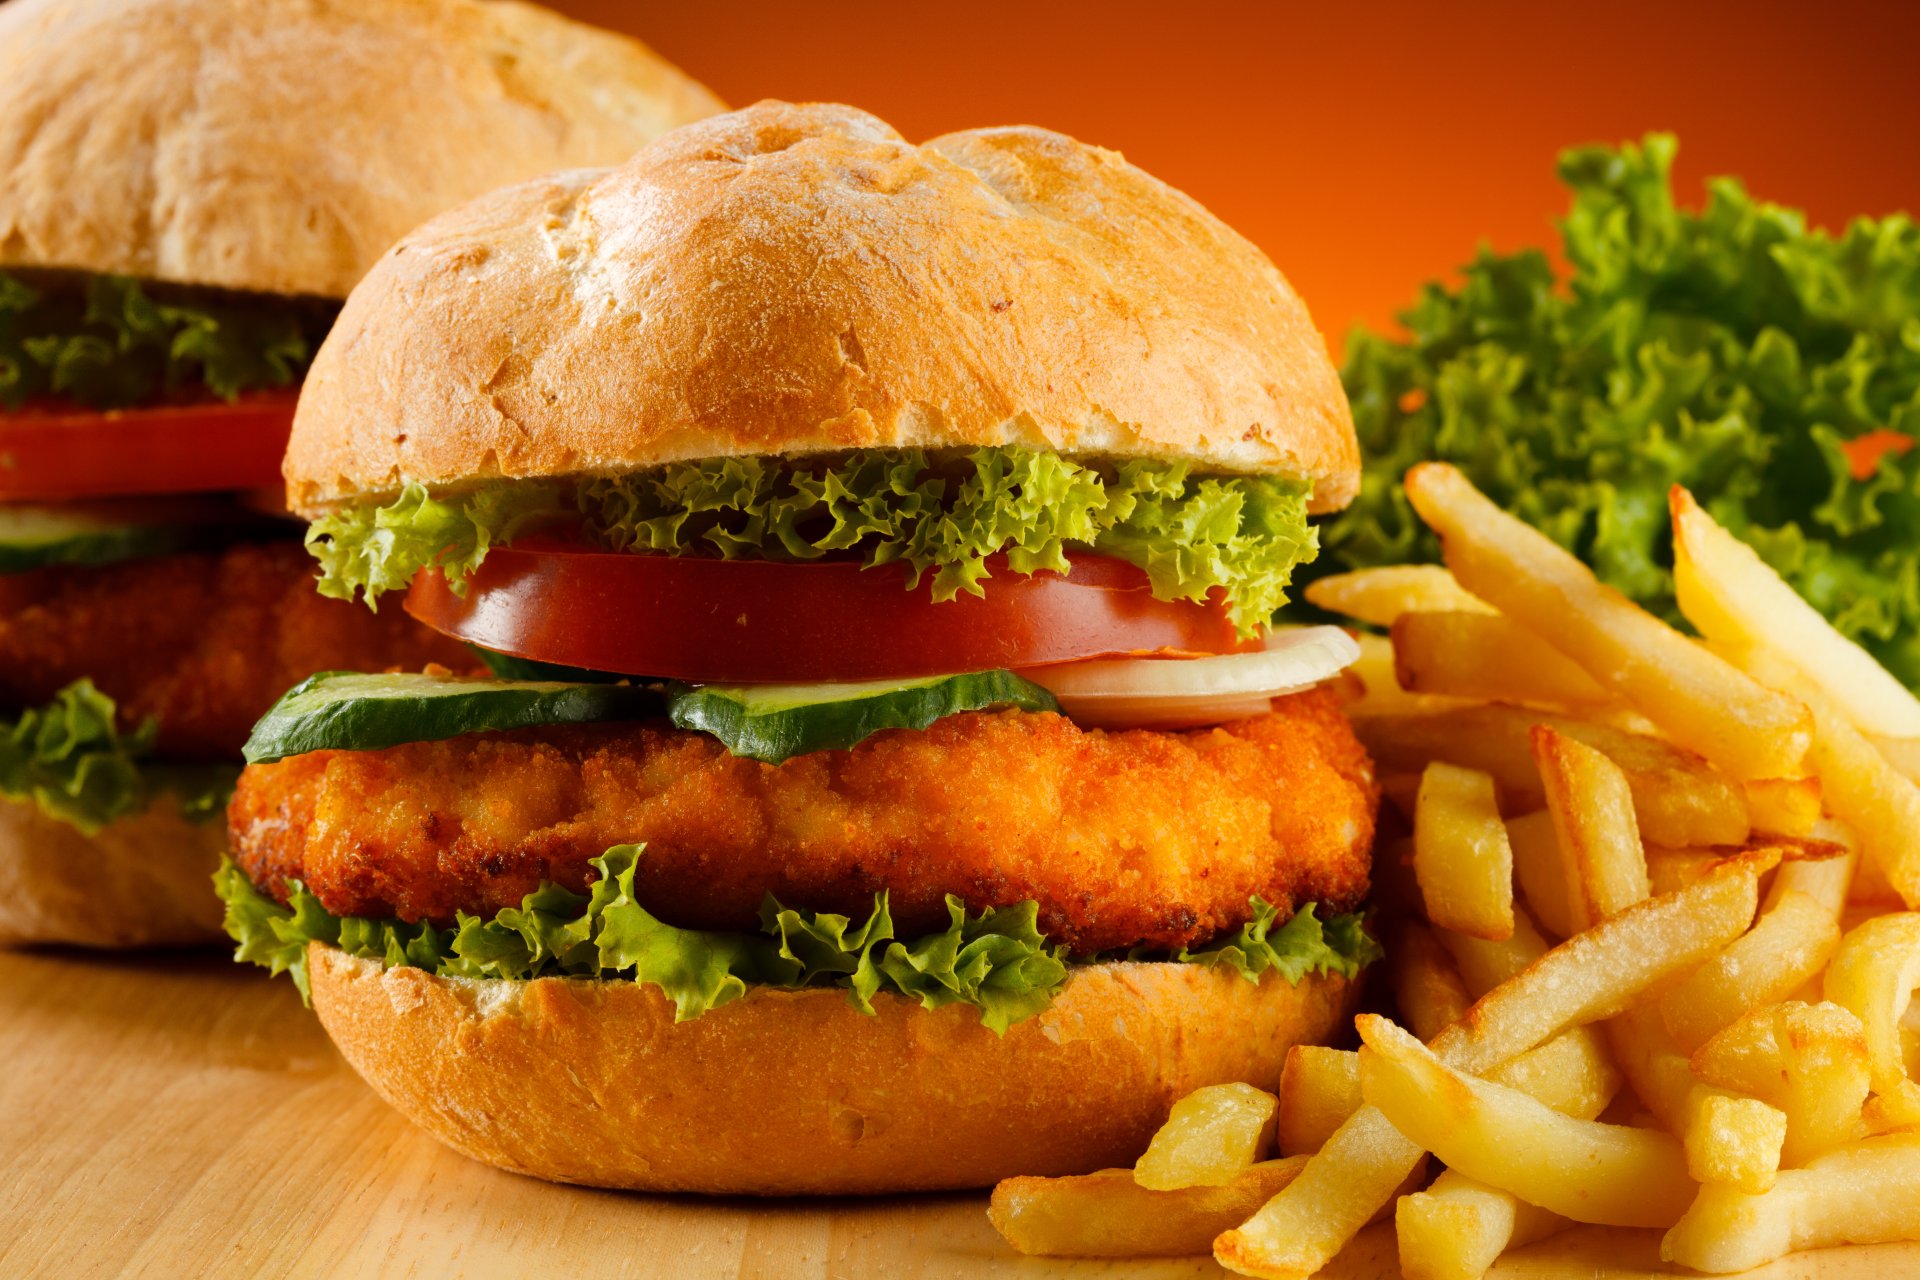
(282,145)
(799,279)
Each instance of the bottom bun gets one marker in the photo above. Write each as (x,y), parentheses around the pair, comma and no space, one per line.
(798,1093)
(143,881)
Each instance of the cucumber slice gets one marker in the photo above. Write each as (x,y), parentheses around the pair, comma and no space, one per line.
(777,722)
(106,532)
(352,711)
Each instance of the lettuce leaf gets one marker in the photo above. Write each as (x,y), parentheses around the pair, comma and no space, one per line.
(1732,350)
(1240,535)
(997,961)
(71,758)
(108,343)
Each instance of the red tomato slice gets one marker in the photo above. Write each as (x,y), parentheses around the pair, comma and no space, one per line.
(188,448)
(688,618)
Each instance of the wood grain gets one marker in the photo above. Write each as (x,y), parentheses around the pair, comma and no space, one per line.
(179,1116)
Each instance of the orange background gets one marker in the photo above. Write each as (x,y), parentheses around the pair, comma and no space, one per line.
(1365,147)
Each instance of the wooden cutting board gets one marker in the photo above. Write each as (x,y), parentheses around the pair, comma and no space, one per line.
(182,1116)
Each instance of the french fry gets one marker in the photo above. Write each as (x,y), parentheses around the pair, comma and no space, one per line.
(1214,1134)
(1601,972)
(1902,753)
(1783,806)
(1810,1061)
(1582,1170)
(1861,788)
(1671,869)
(1109,1215)
(1482,655)
(1728,1140)
(1379,596)
(1539,872)
(1594,827)
(1382,694)
(1824,872)
(1678,798)
(1866,1193)
(1319,1090)
(1460,853)
(1457,1228)
(1431,992)
(1731,595)
(1485,963)
(1873,975)
(1697,698)
(1787,946)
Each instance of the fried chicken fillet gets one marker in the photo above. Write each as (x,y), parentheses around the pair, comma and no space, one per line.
(1123,838)
(204,641)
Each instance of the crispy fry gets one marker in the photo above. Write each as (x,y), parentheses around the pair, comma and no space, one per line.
(1679,800)
(1594,827)
(1319,1089)
(1786,947)
(1698,699)
(1783,806)
(1810,1061)
(1538,870)
(1582,1170)
(1731,595)
(1109,1215)
(1483,655)
(1873,975)
(1382,694)
(1457,1228)
(1460,853)
(1379,596)
(1431,992)
(1214,1134)
(1861,1194)
(1671,869)
(1736,1145)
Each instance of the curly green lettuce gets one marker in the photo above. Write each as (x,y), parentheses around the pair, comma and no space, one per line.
(71,759)
(997,961)
(1241,535)
(1772,369)
(108,343)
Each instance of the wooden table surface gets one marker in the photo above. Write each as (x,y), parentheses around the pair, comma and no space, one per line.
(172,1115)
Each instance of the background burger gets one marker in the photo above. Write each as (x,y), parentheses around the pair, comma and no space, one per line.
(891,780)
(187,188)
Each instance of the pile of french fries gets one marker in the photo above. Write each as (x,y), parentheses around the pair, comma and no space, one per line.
(1650,938)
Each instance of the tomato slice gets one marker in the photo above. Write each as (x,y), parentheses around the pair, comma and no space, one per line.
(688,618)
(187,448)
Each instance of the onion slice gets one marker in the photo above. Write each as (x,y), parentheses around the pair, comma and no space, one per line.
(1167,693)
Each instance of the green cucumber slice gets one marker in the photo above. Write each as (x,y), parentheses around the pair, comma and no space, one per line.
(777,722)
(35,537)
(353,711)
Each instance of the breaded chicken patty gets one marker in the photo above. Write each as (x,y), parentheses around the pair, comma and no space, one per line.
(1124,838)
(206,641)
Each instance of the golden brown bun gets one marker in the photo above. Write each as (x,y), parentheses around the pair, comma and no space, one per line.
(144,881)
(797,1093)
(283,145)
(796,279)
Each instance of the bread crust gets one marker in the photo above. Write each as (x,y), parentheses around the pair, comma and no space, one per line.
(799,279)
(143,881)
(798,1093)
(283,145)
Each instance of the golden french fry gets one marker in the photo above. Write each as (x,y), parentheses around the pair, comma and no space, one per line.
(1601,972)
(1319,1089)
(1902,753)
(1485,963)
(1810,1061)
(1538,870)
(1867,1193)
(1342,1187)
(1213,1135)
(1379,596)
(1460,853)
(1670,869)
(1573,1073)
(1109,1215)
(1678,798)
(1483,655)
(1381,692)
(1457,1228)
(1731,595)
(1823,869)
(1594,827)
(1861,788)
(1873,974)
(1783,806)
(1580,1169)
(1697,698)
(1736,1145)
(1430,991)
(1786,947)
